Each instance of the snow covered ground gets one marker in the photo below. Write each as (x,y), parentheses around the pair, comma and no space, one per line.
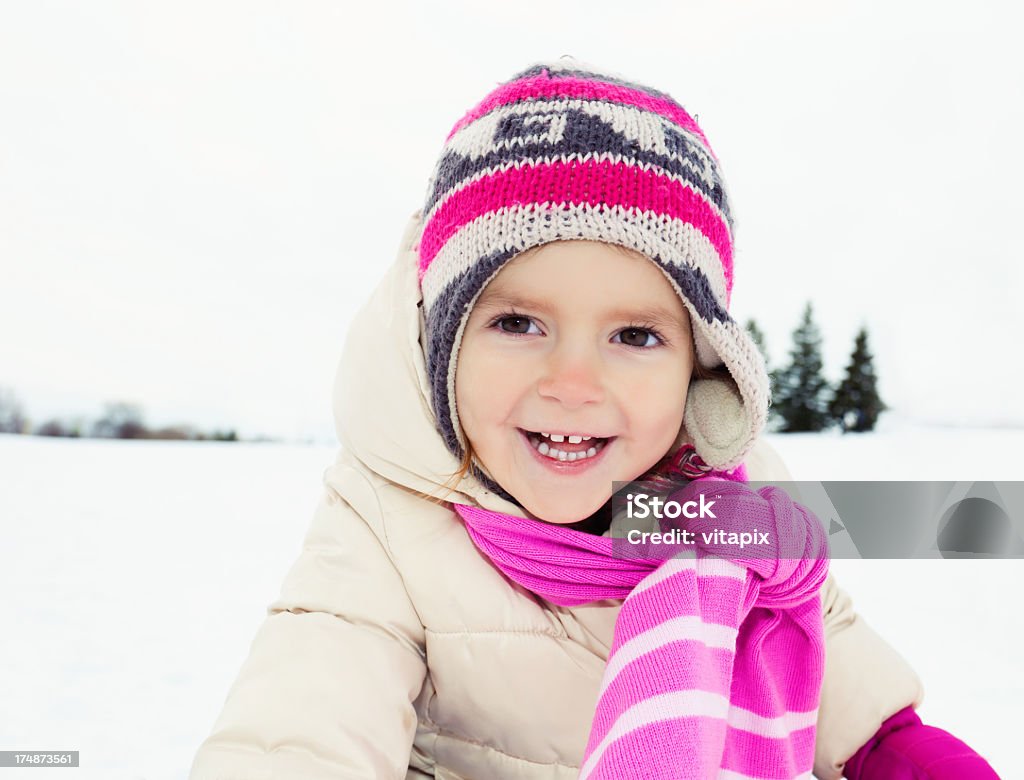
(135,575)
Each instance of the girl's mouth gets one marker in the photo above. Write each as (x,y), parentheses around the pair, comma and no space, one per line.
(566,455)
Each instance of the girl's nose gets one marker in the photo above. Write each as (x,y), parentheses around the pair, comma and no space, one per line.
(573,378)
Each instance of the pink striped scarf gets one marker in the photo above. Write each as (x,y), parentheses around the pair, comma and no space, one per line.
(716,663)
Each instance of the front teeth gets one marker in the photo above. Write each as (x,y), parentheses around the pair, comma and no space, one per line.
(558,438)
(556,454)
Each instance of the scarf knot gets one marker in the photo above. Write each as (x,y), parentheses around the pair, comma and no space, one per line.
(790,560)
(716,662)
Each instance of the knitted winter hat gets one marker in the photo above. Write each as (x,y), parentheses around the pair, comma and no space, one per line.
(563,151)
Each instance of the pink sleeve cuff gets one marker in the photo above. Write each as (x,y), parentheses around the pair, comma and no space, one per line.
(906,749)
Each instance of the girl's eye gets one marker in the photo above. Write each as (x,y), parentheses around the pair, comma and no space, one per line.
(639,337)
(635,336)
(519,324)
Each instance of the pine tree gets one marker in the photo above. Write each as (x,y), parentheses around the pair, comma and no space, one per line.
(799,396)
(857,405)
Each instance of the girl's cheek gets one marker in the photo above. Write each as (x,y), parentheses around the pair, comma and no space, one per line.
(653,382)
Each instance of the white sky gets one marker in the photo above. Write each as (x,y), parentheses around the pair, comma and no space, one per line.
(195,197)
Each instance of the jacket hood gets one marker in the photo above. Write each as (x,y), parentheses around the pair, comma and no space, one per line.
(381,397)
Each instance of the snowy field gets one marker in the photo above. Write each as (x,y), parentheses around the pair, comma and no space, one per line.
(137,573)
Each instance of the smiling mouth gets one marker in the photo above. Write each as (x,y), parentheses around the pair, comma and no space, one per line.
(566,450)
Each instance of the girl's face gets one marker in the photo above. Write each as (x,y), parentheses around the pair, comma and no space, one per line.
(574,337)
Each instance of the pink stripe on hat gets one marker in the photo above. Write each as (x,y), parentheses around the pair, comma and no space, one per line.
(577,181)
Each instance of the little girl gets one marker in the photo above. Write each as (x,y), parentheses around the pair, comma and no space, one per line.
(557,319)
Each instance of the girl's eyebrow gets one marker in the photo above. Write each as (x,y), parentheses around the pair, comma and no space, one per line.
(656,315)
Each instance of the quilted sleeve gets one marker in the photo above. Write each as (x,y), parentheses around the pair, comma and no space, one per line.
(866,681)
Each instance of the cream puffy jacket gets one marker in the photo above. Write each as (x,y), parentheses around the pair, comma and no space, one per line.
(396,650)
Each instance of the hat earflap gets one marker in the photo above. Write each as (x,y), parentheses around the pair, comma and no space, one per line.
(718,422)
